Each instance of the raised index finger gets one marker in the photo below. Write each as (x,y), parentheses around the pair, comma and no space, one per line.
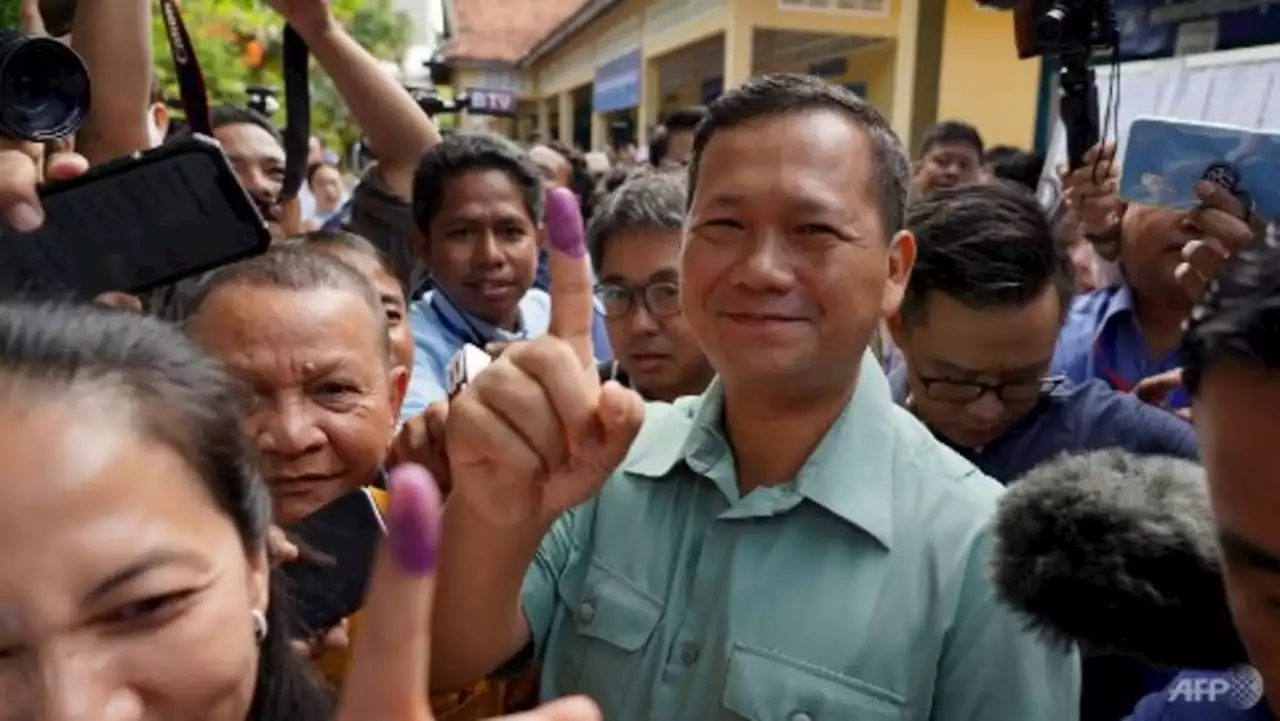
(572,297)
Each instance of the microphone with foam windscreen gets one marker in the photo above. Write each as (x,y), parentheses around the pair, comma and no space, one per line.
(1117,551)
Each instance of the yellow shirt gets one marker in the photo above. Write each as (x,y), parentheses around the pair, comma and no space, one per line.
(485,699)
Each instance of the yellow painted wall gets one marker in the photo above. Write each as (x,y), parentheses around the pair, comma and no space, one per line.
(982,81)
(583,73)
(768,14)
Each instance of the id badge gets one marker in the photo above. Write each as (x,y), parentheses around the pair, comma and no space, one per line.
(465,366)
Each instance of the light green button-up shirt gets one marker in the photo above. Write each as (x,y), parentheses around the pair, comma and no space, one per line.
(858,592)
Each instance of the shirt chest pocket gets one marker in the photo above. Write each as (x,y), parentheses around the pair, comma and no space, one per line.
(766,686)
(610,623)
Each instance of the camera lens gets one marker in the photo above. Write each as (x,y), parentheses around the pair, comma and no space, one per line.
(44,88)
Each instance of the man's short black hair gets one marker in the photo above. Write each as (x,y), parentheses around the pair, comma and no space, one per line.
(463,153)
(647,200)
(580,180)
(953,132)
(683,120)
(788,93)
(1238,321)
(227,115)
(986,245)
(1016,165)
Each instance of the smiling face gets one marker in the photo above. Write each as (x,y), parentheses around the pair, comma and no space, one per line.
(115,562)
(325,396)
(483,245)
(787,267)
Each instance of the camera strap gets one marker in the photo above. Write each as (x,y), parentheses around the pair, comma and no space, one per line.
(297,104)
(195,96)
(195,99)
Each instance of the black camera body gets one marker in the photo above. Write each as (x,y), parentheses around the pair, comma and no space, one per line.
(44,88)
(1068,31)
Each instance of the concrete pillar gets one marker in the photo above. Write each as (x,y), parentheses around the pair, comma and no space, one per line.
(599,131)
(738,50)
(544,117)
(650,100)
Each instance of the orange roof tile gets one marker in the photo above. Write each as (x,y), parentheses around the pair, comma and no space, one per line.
(504,30)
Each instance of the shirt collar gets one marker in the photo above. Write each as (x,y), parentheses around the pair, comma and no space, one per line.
(850,473)
(1119,303)
(461,321)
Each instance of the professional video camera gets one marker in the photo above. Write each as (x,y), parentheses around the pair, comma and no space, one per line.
(44,88)
(1068,31)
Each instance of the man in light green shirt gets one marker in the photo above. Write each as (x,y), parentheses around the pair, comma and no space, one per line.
(790,545)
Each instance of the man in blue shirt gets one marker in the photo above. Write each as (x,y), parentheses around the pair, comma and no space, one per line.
(1124,334)
(478,207)
(977,328)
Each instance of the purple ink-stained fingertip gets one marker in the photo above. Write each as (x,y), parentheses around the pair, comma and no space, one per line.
(413,524)
(564,223)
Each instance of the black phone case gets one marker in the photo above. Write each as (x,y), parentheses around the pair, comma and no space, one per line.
(338,544)
(135,224)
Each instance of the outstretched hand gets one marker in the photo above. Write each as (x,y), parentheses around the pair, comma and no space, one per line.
(391,656)
(536,433)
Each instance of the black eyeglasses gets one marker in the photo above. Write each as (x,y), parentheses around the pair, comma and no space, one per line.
(660,297)
(951,391)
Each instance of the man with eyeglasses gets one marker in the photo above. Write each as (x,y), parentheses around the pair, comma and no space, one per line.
(634,239)
(978,326)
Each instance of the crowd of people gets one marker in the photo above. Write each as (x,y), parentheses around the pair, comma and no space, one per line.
(749,407)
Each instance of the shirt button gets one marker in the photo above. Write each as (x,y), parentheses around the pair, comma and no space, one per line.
(586,611)
(689,654)
(801,716)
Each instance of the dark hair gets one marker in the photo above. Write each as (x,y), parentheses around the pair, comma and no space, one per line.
(955,132)
(652,201)
(358,244)
(183,399)
(295,267)
(985,245)
(315,168)
(581,182)
(1238,318)
(463,153)
(683,120)
(228,115)
(786,94)
(614,179)
(1016,165)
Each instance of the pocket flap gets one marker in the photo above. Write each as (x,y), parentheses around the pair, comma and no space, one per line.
(767,686)
(614,610)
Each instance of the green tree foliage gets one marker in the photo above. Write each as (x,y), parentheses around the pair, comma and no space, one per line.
(239,44)
(9,14)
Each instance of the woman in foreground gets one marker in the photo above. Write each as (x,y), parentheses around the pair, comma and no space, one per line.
(134,576)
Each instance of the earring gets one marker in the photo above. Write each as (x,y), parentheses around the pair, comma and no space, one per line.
(259,625)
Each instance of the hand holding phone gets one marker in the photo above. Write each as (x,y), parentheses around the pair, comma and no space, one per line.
(335,551)
(129,226)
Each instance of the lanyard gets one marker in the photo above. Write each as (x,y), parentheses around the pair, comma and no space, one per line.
(465,331)
(1103,368)
(195,97)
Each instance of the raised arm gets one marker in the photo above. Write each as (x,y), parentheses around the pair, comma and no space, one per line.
(397,129)
(114,39)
